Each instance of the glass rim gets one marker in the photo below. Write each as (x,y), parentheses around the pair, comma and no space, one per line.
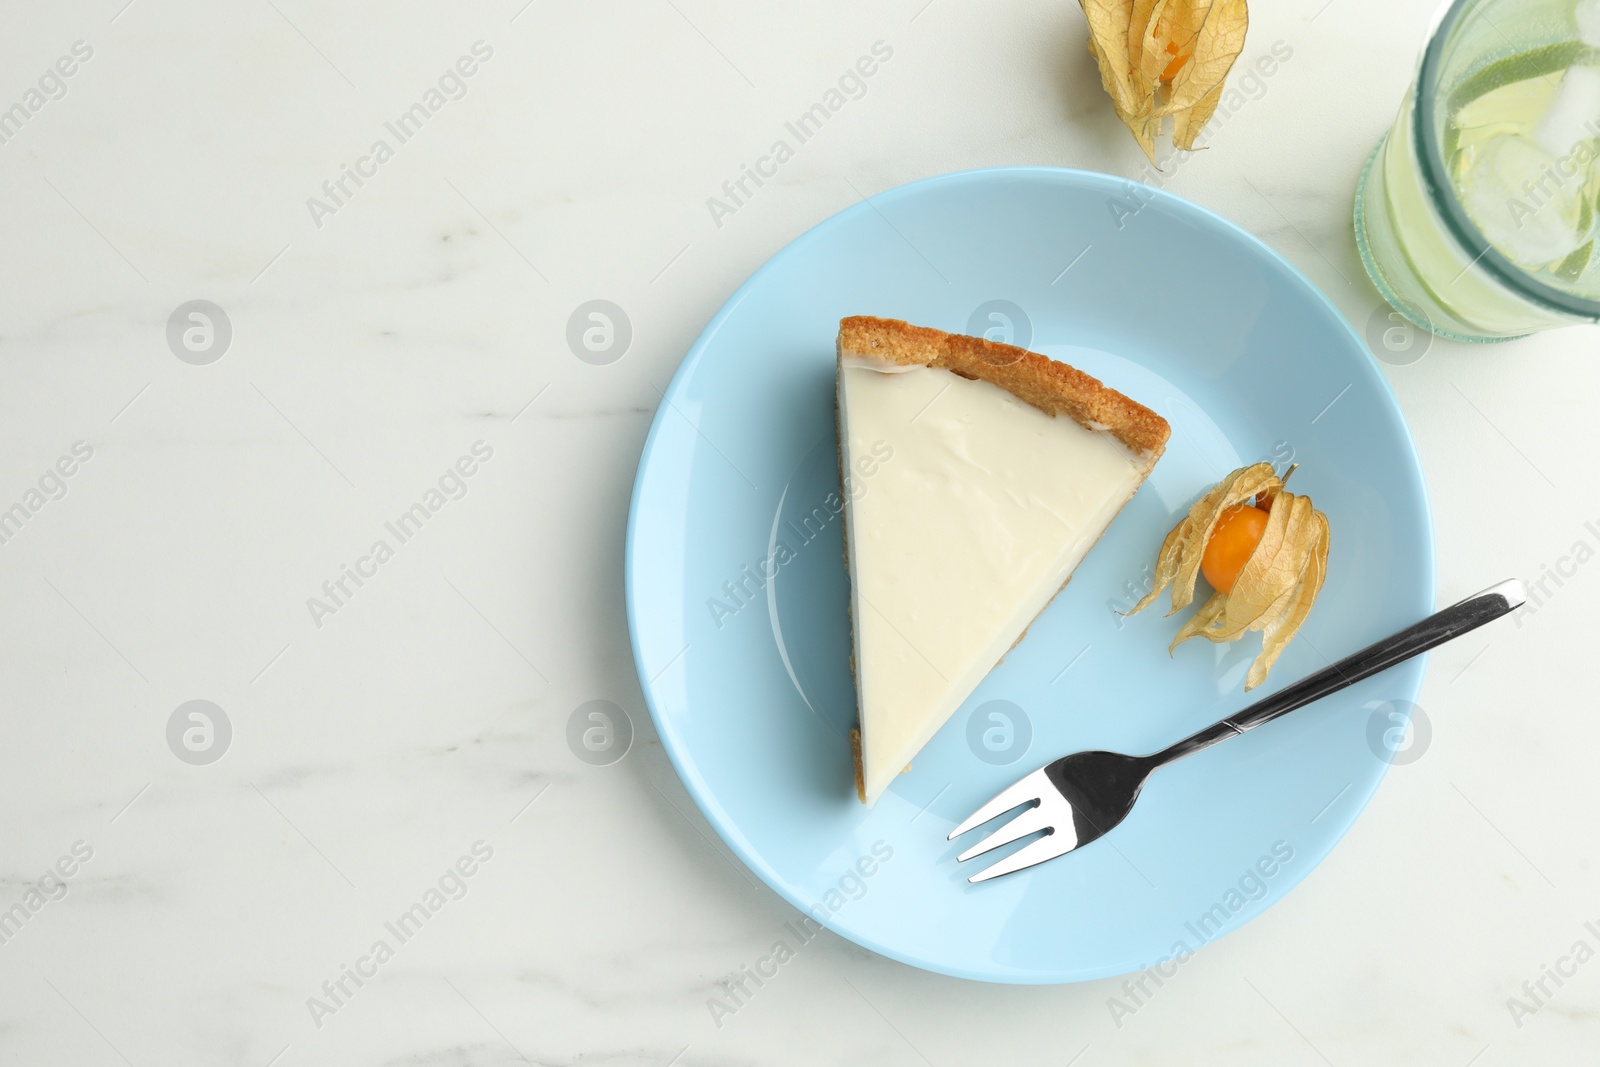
(1427,141)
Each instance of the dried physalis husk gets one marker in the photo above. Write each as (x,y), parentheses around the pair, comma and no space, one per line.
(1275,589)
(1165,57)
(1181,552)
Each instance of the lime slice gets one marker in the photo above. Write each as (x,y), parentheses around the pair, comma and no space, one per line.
(1534,63)
(1574,265)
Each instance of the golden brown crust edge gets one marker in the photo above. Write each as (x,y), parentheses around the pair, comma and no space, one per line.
(1048,385)
(861,772)
(844,518)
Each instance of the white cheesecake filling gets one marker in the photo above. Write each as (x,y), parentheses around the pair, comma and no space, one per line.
(959,540)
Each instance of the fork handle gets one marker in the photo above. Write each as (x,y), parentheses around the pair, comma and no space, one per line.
(1414,640)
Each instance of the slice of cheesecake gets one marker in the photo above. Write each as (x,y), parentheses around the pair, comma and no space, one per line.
(976,477)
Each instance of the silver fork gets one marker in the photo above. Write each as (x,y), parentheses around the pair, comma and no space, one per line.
(1080,797)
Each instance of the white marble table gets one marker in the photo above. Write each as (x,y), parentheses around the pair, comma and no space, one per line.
(405,335)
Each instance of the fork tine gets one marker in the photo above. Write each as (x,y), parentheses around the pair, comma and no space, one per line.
(1061,842)
(1029,788)
(1032,820)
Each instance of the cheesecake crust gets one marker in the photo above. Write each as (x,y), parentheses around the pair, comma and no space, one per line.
(1050,386)
(855,750)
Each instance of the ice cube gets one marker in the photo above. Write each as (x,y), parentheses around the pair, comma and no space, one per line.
(1586,13)
(1518,196)
(1574,115)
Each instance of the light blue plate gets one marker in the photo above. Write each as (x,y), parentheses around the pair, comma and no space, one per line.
(748,676)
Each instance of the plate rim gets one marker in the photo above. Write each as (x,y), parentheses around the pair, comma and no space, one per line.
(696,787)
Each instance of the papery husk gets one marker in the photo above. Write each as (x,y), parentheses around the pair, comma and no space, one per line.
(1281,630)
(1145,61)
(1217,42)
(1135,41)
(1186,125)
(1273,571)
(1237,488)
(1110,31)
(1209,613)
(1278,584)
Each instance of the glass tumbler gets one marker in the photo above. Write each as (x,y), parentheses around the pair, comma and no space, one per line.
(1476,214)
